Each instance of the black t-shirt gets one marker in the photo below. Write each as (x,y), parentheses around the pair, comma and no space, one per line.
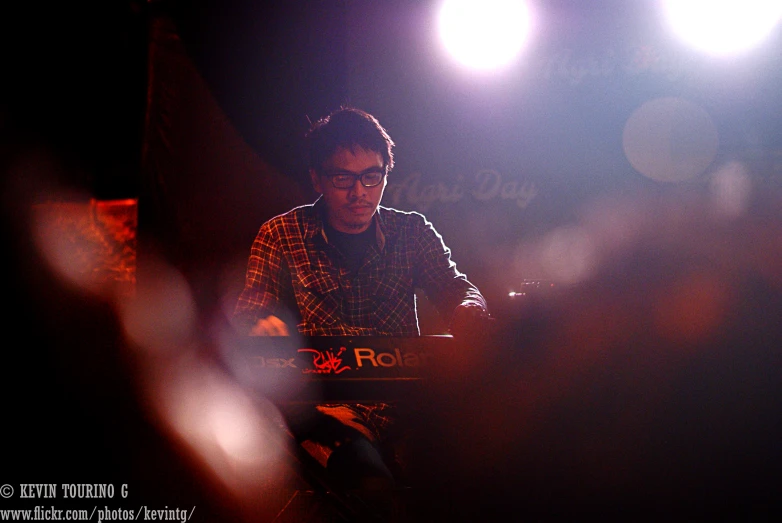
(352,246)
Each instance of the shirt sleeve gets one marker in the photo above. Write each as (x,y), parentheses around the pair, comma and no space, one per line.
(265,280)
(443,283)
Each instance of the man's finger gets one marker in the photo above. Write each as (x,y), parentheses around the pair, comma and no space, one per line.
(269,326)
(276,327)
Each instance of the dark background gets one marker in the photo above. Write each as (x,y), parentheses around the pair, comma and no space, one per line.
(76,82)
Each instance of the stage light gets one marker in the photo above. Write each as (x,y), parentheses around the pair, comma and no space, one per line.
(723,27)
(484,34)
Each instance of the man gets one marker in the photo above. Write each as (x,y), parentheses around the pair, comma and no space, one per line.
(347,266)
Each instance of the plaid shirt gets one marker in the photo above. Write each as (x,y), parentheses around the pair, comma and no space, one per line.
(294,273)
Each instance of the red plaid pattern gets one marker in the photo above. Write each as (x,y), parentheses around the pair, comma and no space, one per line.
(294,272)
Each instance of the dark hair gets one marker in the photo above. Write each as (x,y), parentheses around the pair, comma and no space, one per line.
(347,128)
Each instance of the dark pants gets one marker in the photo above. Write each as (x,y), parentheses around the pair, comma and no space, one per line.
(356,445)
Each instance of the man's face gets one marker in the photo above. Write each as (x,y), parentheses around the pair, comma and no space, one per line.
(351,209)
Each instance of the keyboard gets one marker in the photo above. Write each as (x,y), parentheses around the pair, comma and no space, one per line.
(339,368)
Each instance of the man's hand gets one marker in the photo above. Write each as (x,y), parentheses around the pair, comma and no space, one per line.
(271,325)
(468,318)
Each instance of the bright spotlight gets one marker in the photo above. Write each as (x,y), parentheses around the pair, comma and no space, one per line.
(723,27)
(484,34)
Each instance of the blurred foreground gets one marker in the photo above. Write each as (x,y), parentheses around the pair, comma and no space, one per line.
(649,389)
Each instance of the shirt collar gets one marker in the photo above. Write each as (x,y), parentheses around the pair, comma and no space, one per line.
(315,226)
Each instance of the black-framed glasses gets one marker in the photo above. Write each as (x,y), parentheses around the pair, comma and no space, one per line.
(344,180)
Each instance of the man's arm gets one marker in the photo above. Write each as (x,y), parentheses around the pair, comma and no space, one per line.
(454,296)
(267,278)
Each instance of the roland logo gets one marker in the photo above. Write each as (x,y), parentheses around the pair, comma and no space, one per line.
(366,357)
